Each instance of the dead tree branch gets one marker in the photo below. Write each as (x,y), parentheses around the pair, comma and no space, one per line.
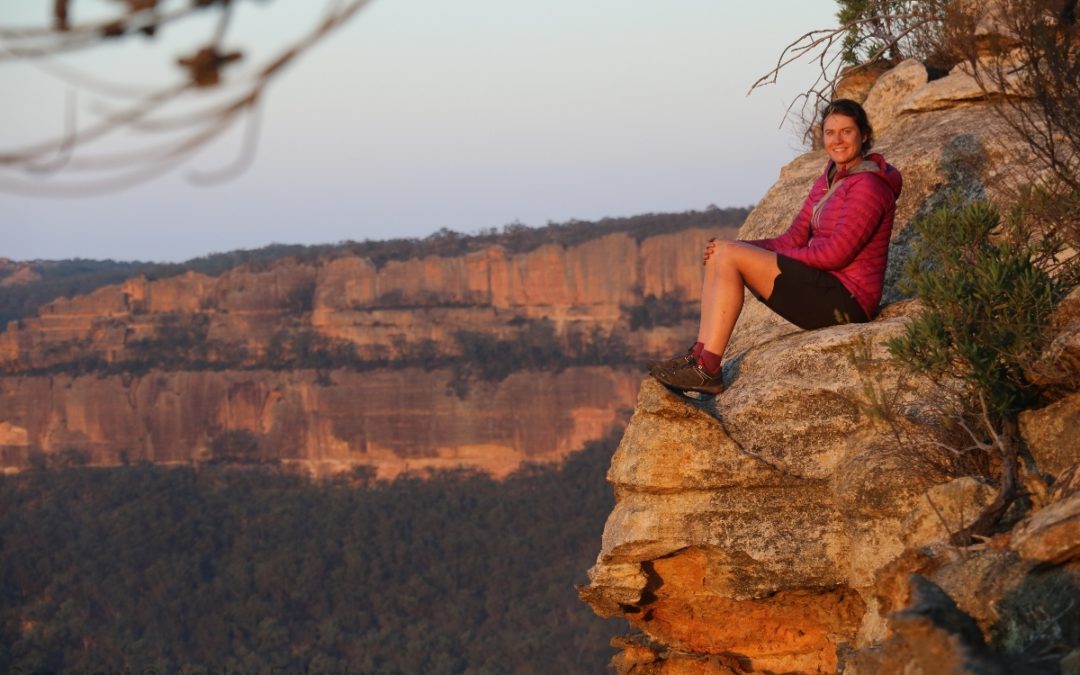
(66,166)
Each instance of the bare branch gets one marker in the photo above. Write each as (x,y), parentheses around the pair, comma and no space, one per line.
(152,112)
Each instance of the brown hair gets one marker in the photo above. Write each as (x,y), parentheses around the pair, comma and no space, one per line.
(849,108)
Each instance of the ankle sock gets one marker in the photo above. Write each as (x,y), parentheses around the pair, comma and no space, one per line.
(710,362)
(695,351)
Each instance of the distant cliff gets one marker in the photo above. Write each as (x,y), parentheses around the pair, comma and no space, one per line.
(483,359)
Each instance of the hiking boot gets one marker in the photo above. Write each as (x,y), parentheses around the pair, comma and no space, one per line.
(686,359)
(691,378)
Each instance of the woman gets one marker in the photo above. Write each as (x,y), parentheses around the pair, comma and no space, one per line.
(828,268)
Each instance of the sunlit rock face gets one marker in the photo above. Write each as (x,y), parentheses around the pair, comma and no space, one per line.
(161,370)
(381,311)
(787,526)
(391,421)
(757,531)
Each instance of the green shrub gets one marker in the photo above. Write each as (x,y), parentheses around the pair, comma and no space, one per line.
(989,289)
(987,304)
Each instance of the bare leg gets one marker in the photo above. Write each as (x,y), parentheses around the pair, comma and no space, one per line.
(729,267)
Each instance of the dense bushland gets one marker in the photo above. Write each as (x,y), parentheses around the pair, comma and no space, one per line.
(248,569)
(182,344)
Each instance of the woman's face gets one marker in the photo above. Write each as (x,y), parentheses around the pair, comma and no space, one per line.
(843,141)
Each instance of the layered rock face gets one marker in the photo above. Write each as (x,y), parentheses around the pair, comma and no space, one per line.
(162,370)
(380,312)
(757,531)
(789,526)
(777,528)
(393,421)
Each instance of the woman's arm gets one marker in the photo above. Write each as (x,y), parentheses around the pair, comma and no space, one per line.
(857,217)
(797,234)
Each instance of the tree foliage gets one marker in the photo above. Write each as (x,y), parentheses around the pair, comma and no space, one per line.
(988,291)
(987,303)
(248,569)
(174,119)
(893,30)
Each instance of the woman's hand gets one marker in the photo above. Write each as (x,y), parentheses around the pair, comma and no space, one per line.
(709,246)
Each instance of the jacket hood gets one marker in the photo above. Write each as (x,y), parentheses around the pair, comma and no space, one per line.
(875,164)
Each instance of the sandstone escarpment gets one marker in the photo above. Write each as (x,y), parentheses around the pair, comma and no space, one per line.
(776,528)
(800,522)
(391,421)
(758,533)
(326,363)
(379,312)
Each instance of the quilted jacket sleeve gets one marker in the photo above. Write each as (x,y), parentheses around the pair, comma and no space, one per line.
(798,233)
(847,223)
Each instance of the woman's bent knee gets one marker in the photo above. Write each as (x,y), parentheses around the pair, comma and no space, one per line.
(720,253)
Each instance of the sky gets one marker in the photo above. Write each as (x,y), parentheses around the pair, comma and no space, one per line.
(420,115)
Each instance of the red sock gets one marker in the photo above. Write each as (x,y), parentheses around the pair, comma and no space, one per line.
(695,351)
(710,362)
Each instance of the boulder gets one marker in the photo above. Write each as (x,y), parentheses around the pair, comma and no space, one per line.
(732,513)
(1052,434)
(882,104)
(946,509)
(932,635)
(1052,534)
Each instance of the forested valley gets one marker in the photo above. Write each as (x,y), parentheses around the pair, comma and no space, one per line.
(226,568)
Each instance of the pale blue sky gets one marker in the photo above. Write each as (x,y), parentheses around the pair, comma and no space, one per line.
(424,114)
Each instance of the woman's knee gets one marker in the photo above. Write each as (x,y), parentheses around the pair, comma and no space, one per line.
(722,255)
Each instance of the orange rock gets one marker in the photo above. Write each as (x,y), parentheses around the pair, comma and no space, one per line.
(788,631)
(326,423)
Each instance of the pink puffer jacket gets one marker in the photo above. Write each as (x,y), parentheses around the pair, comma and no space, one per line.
(847,235)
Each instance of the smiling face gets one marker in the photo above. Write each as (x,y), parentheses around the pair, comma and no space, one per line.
(843,140)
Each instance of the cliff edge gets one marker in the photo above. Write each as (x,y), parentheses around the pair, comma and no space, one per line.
(786,527)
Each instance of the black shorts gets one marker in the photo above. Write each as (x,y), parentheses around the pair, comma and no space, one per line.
(811,298)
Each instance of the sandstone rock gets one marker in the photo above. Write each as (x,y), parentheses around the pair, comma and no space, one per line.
(674,445)
(17,274)
(891,580)
(758,540)
(324,423)
(383,311)
(882,103)
(799,403)
(993,20)
(1052,434)
(988,610)
(931,636)
(1059,364)
(876,488)
(790,631)
(614,587)
(1065,484)
(957,88)
(641,656)
(857,83)
(758,509)
(1051,534)
(1025,609)
(946,509)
